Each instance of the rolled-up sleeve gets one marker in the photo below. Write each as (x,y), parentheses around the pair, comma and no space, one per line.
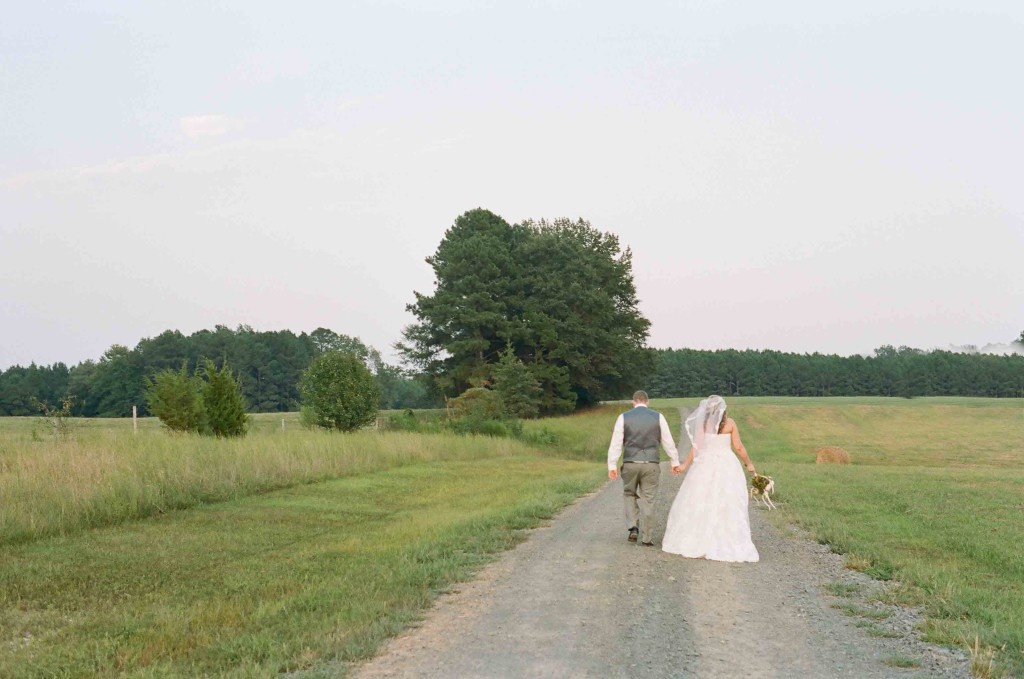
(615,447)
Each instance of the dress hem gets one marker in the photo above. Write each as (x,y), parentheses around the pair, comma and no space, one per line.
(712,558)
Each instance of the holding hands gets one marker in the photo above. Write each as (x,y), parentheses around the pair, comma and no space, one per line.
(680,468)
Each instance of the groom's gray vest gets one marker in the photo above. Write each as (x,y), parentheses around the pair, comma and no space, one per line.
(642,433)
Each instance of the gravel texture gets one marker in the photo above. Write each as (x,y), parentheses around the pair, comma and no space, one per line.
(577,600)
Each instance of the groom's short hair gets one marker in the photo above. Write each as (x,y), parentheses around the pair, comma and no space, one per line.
(640,396)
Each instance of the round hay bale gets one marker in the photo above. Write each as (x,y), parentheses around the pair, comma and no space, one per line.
(832,455)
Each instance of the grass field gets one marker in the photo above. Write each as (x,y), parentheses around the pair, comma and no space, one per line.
(291,549)
(294,550)
(310,577)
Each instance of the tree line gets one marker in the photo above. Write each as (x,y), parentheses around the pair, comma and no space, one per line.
(904,372)
(109,387)
(267,366)
(541,316)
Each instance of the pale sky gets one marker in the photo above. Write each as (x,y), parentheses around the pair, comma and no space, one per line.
(800,176)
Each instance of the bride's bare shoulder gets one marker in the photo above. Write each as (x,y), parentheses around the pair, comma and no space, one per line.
(730,426)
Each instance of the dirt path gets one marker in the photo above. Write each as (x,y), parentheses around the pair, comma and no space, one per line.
(577,600)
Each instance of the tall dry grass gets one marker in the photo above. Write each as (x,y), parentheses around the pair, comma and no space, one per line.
(104,475)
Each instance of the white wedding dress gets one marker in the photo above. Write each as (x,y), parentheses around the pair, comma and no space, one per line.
(709,517)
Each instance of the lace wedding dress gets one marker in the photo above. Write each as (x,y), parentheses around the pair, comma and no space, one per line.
(709,517)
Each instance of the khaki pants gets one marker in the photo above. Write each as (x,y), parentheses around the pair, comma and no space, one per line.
(639,486)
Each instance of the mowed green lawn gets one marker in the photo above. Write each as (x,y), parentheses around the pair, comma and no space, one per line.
(934,498)
(307,578)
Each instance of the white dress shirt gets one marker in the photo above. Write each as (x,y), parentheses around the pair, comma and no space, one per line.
(615,449)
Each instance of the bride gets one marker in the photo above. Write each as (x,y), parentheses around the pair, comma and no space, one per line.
(709,516)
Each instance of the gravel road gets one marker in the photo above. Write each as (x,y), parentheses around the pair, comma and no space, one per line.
(577,600)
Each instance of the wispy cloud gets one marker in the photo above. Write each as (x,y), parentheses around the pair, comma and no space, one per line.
(183,158)
(196,127)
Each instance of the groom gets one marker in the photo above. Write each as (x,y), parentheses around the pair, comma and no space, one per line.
(636,437)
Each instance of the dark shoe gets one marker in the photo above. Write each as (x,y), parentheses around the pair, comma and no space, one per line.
(633,533)
(647,544)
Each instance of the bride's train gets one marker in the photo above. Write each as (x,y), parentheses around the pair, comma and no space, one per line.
(709,517)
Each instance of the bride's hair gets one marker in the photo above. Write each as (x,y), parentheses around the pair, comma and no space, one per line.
(725,418)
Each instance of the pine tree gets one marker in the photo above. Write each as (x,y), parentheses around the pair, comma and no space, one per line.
(223,404)
(173,396)
(520,391)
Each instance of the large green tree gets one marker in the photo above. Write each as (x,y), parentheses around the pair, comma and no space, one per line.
(560,293)
(583,308)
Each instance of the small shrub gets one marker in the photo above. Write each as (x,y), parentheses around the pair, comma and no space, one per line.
(340,391)
(478,402)
(58,419)
(223,403)
(174,397)
(307,418)
(480,410)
